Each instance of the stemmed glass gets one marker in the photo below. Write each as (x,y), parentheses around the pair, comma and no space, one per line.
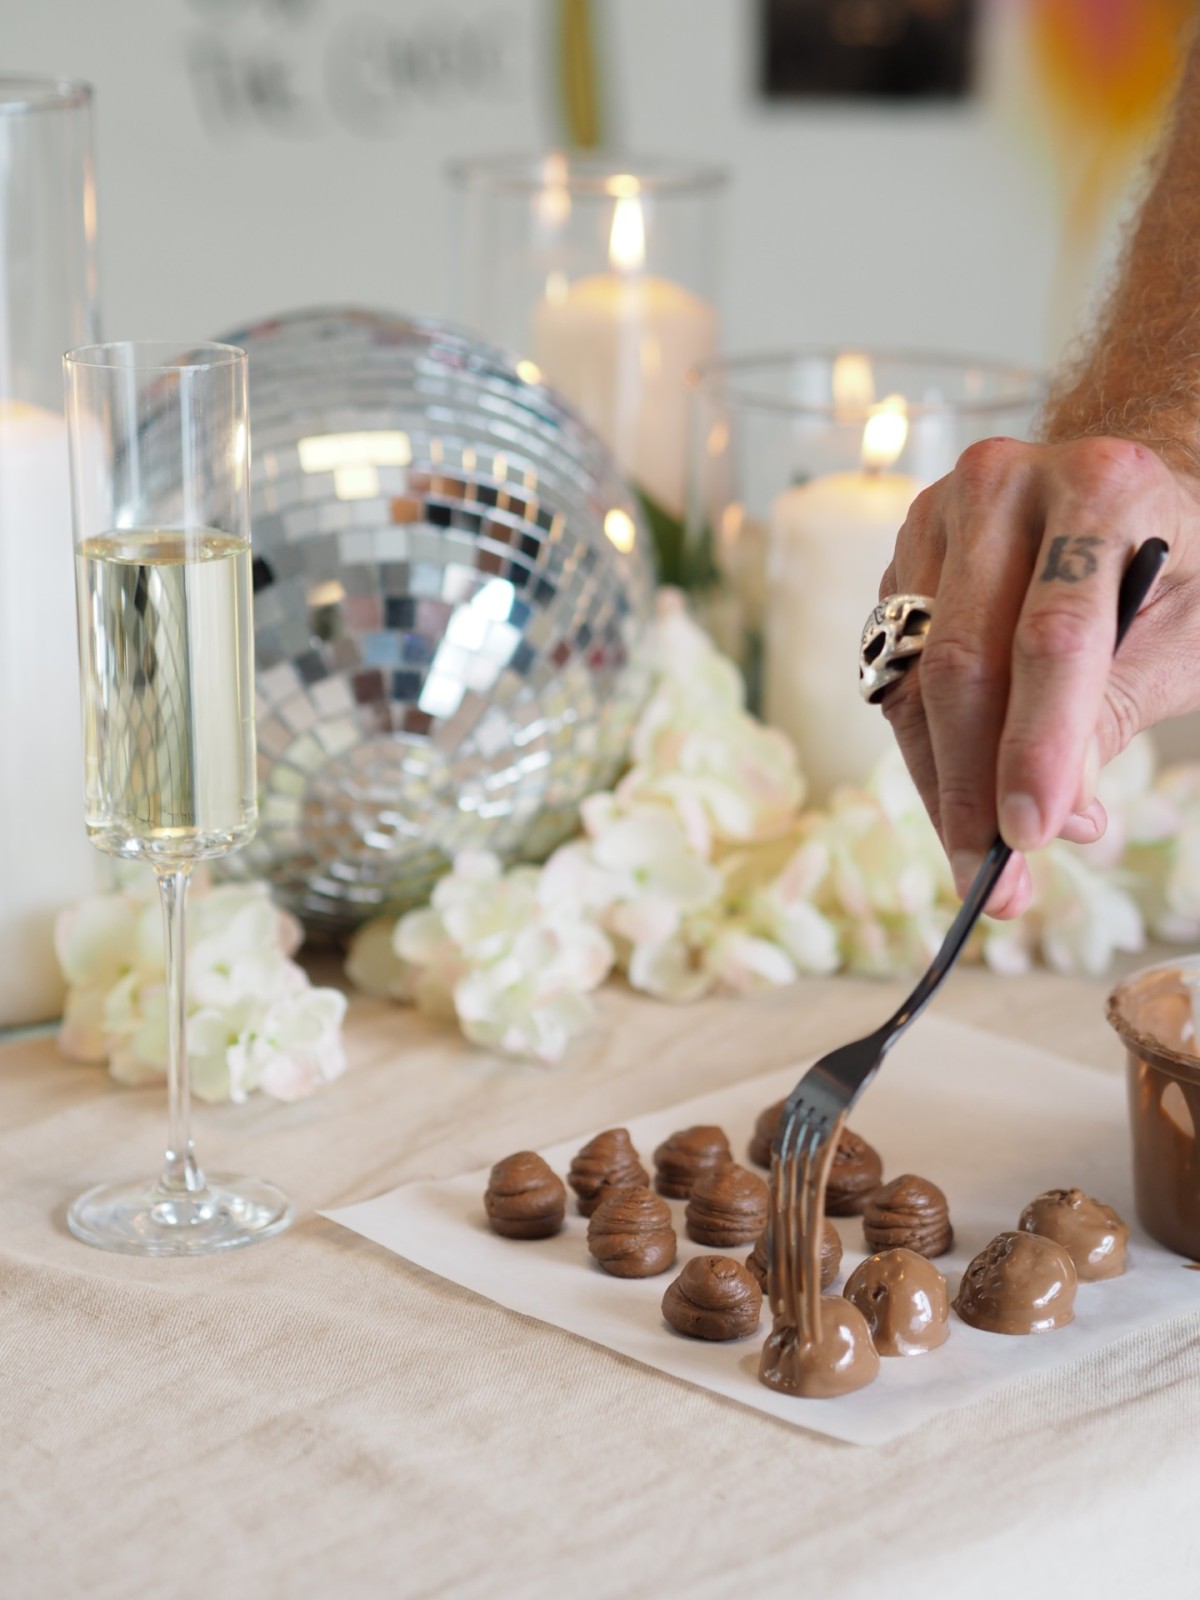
(160,454)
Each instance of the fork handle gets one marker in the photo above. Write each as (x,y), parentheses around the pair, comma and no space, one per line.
(1136,583)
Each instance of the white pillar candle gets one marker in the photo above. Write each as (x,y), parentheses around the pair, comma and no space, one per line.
(45,858)
(617,345)
(828,543)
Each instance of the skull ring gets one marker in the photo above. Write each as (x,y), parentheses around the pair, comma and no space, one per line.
(892,639)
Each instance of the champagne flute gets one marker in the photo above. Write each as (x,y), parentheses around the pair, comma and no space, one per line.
(160,456)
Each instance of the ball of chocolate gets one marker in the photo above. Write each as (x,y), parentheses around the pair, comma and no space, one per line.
(524,1199)
(841,1357)
(909,1212)
(831,1256)
(686,1156)
(728,1206)
(608,1161)
(1091,1233)
(1020,1283)
(714,1297)
(630,1233)
(904,1300)
(854,1175)
(765,1130)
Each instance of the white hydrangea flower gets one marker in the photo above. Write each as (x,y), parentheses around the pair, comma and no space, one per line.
(254,1020)
(372,962)
(748,963)
(292,1047)
(673,969)
(1077,920)
(729,779)
(513,965)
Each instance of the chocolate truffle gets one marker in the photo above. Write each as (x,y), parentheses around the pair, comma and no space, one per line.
(608,1161)
(854,1175)
(1020,1283)
(728,1206)
(1091,1233)
(839,1359)
(686,1156)
(904,1302)
(910,1212)
(765,1130)
(524,1199)
(714,1297)
(630,1233)
(831,1256)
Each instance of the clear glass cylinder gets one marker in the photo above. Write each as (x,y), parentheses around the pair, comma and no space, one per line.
(47,304)
(602,272)
(802,466)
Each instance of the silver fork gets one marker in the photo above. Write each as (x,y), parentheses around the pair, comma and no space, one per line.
(829,1088)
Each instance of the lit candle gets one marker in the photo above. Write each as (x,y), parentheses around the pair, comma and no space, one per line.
(828,543)
(618,344)
(45,858)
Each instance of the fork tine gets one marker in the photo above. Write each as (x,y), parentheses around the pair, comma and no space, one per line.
(791,1242)
(777,1243)
(807,1143)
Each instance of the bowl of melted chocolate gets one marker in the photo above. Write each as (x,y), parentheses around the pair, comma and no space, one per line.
(1152,1011)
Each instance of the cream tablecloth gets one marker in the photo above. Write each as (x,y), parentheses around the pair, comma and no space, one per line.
(314,1417)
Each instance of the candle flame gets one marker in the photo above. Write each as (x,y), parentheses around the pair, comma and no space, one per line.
(885,433)
(853,385)
(627,241)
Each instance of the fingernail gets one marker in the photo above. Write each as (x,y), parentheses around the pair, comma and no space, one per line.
(964,864)
(1020,821)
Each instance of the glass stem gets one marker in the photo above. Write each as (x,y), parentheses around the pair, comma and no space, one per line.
(180,1175)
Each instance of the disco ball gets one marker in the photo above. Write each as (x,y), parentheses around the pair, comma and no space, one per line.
(452,587)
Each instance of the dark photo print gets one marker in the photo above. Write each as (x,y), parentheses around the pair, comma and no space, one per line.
(887,49)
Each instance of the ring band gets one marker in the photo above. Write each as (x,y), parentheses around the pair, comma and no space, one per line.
(892,639)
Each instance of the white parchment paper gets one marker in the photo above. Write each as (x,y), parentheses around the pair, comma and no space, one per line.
(992,1122)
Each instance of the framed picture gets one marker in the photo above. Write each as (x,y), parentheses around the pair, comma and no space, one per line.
(874,49)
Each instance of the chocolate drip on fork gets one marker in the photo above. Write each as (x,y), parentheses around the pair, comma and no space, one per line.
(794,1226)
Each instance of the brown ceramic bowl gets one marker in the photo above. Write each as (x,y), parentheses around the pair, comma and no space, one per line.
(1152,1011)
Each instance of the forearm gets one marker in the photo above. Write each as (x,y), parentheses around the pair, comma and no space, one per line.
(1139,377)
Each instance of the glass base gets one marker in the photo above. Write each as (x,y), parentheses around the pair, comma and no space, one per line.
(144,1219)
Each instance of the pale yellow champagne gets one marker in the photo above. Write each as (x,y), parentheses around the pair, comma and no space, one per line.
(166,651)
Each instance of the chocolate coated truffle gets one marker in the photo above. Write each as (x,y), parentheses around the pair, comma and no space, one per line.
(839,1359)
(765,1130)
(1020,1283)
(524,1199)
(831,1256)
(608,1161)
(1091,1233)
(854,1175)
(909,1212)
(630,1233)
(714,1297)
(728,1206)
(904,1302)
(686,1156)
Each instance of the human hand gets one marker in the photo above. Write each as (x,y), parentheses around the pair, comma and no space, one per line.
(1016,701)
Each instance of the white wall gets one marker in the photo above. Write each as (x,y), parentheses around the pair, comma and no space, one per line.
(920,226)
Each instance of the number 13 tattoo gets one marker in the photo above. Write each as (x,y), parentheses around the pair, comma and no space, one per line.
(1070,558)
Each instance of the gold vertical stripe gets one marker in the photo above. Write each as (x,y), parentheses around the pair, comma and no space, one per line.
(578,75)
